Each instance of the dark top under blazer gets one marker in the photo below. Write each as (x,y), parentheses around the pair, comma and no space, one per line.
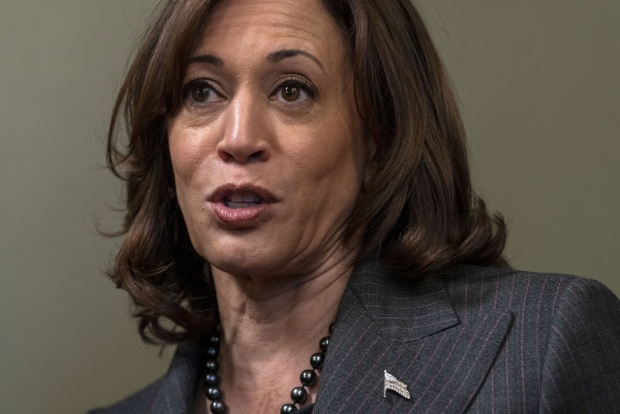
(475,340)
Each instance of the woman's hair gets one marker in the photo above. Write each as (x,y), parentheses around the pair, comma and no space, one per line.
(419,212)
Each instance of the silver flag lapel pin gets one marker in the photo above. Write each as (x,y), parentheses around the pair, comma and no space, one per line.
(391,383)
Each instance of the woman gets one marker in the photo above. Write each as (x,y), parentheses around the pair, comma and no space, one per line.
(299,201)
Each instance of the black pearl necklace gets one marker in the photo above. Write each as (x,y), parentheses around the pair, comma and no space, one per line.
(299,395)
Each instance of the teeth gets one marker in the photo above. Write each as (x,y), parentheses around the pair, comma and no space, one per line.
(244,197)
(251,198)
(236,198)
(232,204)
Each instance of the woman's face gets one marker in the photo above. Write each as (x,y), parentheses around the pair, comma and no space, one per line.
(267,148)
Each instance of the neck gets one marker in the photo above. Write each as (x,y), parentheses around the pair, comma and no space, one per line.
(270,326)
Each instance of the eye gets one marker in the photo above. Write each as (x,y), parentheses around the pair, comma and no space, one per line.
(290,93)
(293,89)
(200,91)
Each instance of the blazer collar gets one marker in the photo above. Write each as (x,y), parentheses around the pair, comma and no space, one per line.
(402,311)
(412,332)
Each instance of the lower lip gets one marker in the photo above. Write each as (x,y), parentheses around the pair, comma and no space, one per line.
(242,217)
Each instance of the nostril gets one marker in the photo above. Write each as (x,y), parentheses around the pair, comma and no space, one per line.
(242,157)
(243,148)
(257,156)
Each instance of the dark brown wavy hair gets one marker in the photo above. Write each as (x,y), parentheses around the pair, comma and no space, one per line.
(419,212)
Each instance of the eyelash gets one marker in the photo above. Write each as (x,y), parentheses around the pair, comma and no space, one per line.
(295,81)
(189,86)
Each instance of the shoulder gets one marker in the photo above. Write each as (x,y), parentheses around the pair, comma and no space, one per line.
(565,331)
(139,402)
(174,389)
(472,293)
(472,289)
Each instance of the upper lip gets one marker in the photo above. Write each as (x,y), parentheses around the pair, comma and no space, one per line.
(227,190)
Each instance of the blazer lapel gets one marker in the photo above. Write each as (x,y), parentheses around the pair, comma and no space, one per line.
(414,334)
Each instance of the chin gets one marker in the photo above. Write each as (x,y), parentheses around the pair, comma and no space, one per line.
(246,262)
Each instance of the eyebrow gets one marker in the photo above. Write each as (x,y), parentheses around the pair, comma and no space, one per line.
(273,57)
(210,59)
(279,55)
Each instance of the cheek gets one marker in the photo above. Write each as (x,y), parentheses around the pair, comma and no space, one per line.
(335,149)
(331,161)
(186,148)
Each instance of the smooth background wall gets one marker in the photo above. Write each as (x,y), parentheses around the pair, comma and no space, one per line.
(540,95)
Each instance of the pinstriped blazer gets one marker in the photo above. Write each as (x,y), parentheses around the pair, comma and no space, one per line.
(476,340)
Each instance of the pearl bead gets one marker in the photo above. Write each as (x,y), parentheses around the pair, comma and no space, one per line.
(214,393)
(217,407)
(211,366)
(288,408)
(316,360)
(299,395)
(308,377)
(211,379)
(324,343)
(212,352)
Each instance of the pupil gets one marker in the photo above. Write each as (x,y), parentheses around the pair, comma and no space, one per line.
(291,93)
(200,93)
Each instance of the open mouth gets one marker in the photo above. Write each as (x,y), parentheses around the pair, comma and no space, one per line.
(242,199)
(239,206)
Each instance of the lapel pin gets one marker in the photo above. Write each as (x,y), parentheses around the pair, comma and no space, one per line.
(390,382)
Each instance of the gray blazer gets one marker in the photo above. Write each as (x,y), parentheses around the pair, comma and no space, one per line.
(475,340)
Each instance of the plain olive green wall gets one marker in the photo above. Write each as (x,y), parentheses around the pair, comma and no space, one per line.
(539,87)
(540,95)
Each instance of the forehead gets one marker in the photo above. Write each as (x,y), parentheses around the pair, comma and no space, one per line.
(291,23)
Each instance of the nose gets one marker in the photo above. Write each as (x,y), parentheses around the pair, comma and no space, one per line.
(245,133)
